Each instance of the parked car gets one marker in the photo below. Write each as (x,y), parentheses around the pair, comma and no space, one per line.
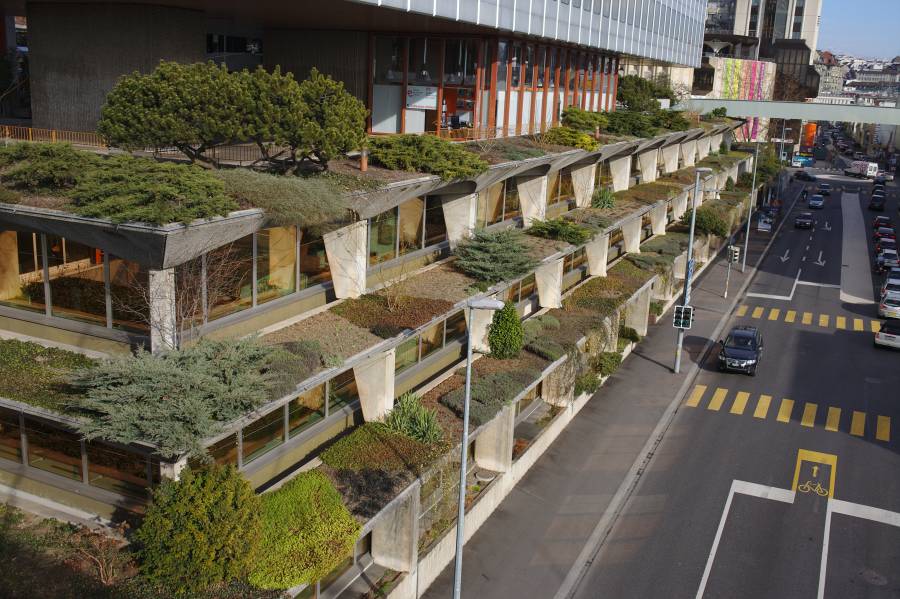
(804,176)
(886,260)
(742,350)
(824,189)
(890,290)
(816,201)
(882,232)
(885,244)
(889,307)
(881,221)
(888,334)
(885,176)
(804,220)
(876,203)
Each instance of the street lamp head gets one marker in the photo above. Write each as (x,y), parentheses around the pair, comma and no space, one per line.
(485,303)
(703,169)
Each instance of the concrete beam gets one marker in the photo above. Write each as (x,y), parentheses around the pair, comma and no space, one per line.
(375,385)
(620,171)
(163,320)
(347,251)
(532,198)
(680,204)
(395,536)
(703,147)
(478,326)
(597,252)
(583,182)
(494,443)
(689,153)
(648,164)
(670,158)
(806,111)
(637,312)
(558,387)
(631,233)
(459,217)
(715,142)
(658,215)
(173,470)
(549,284)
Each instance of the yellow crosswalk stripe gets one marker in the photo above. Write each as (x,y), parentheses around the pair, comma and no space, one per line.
(762,406)
(833,421)
(774,313)
(858,324)
(809,414)
(823,320)
(757,312)
(883,428)
(858,424)
(742,310)
(790,315)
(807,318)
(875,325)
(784,411)
(718,399)
(740,402)
(696,395)
(840,322)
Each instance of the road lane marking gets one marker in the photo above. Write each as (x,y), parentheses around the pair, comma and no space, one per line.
(696,395)
(809,415)
(823,320)
(774,313)
(757,312)
(784,411)
(742,310)
(740,403)
(858,424)
(718,399)
(840,322)
(876,326)
(883,428)
(790,316)
(833,422)
(807,318)
(858,324)
(816,457)
(762,406)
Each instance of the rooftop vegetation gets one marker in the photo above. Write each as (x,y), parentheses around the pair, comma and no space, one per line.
(567,136)
(650,193)
(38,375)
(490,393)
(658,254)
(387,314)
(426,154)
(494,256)
(560,229)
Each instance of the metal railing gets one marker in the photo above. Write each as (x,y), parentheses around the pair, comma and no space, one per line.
(35,134)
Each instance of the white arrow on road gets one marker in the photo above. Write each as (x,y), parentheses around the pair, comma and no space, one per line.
(786,257)
(827,227)
(820,262)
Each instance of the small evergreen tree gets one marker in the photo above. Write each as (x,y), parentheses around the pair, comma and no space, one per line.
(200,530)
(494,256)
(426,154)
(729,184)
(505,336)
(333,122)
(583,120)
(565,136)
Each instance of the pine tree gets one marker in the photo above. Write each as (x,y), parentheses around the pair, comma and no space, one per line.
(505,336)
(494,256)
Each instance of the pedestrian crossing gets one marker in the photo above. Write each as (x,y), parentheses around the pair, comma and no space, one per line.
(810,319)
(784,410)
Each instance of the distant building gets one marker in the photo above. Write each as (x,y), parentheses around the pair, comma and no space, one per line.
(831,74)
(736,79)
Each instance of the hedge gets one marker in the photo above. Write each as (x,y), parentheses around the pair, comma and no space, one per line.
(426,154)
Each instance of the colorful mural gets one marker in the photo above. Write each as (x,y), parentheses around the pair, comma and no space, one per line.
(737,79)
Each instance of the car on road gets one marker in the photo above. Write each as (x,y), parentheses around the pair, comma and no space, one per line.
(890,290)
(816,201)
(824,189)
(876,203)
(885,176)
(804,220)
(884,232)
(881,221)
(804,176)
(741,350)
(885,244)
(886,259)
(888,334)
(889,307)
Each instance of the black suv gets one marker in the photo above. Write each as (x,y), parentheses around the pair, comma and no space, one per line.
(741,350)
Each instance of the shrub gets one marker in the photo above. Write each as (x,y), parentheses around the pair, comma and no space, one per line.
(719,113)
(565,136)
(489,393)
(672,120)
(505,335)
(494,256)
(745,181)
(44,167)
(409,417)
(709,221)
(560,229)
(656,308)
(603,198)
(729,184)
(629,334)
(36,374)
(200,530)
(306,533)
(587,382)
(374,445)
(426,154)
(640,94)
(539,343)
(627,122)
(606,363)
(583,120)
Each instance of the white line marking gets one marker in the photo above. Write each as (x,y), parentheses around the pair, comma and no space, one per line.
(804,259)
(867,512)
(821,592)
(780,297)
(825,285)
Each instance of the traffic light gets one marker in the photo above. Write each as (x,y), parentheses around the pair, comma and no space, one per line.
(734,253)
(683,317)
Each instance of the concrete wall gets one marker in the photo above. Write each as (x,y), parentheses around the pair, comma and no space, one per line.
(78,51)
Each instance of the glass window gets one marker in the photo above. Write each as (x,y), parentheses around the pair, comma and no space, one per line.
(342,391)
(263,435)
(53,450)
(490,205)
(388,60)
(528,399)
(423,61)
(116,469)
(566,186)
(411,223)
(225,451)
(516,72)
(314,268)
(129,283)
(435,227)
(305,409)
(528,287)
(77,284)
(383,237)
(511,206)
(10,436)
(406,354)
(540,64)
(432,339)
(512,293)
(552,188)
(456,327)
(229,278)
(529,66)
(276,263)
(22,268)
(460,62)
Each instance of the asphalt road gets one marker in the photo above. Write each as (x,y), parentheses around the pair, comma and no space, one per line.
(782,485)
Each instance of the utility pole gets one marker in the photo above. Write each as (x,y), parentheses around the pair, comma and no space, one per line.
(750,211)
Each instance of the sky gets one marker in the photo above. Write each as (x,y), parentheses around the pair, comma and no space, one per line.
(864,28)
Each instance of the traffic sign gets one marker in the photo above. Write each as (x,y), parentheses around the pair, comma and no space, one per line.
(683,317)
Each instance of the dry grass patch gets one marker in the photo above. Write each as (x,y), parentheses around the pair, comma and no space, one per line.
(338,338)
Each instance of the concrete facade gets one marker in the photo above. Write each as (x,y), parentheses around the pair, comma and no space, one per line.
(163,319)
(347,254)
(688,153)
(658,218)
(479,323)
(549,284)
(395,535)
(680,205)
(459,217)
(532,198)
(702,148)
(648,163)
(669,157)
(637,312)
(597,251)
(620,170)
(375,384)
(494,443)
(631,233)
(583,182)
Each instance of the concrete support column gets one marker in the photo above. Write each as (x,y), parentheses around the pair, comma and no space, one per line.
(533,198)
(347,254)
(478,325)
(680,204)
(670,158)
(173,470)
(282,256)
(597,252)
(494,443)
(375,385)
(703,147)
(658,214)
(637,313)
(163,322)
(459,217)
(648,164)
(679,266)
(583,182)
(395,536)
(709,190)
(631,232)
(689,152)
(715,141)
(728,138)
(549,284)
(10,283)
(620,171)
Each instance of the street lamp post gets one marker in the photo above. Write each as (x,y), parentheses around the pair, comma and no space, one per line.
(689,270)
(491,304)
(750,210)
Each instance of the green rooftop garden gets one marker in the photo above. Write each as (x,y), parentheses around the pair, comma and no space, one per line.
(649,193)
(38,375)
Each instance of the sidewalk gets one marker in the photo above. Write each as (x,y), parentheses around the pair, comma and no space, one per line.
(534,538)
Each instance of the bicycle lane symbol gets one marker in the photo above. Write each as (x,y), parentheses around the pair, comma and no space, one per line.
(814,475)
